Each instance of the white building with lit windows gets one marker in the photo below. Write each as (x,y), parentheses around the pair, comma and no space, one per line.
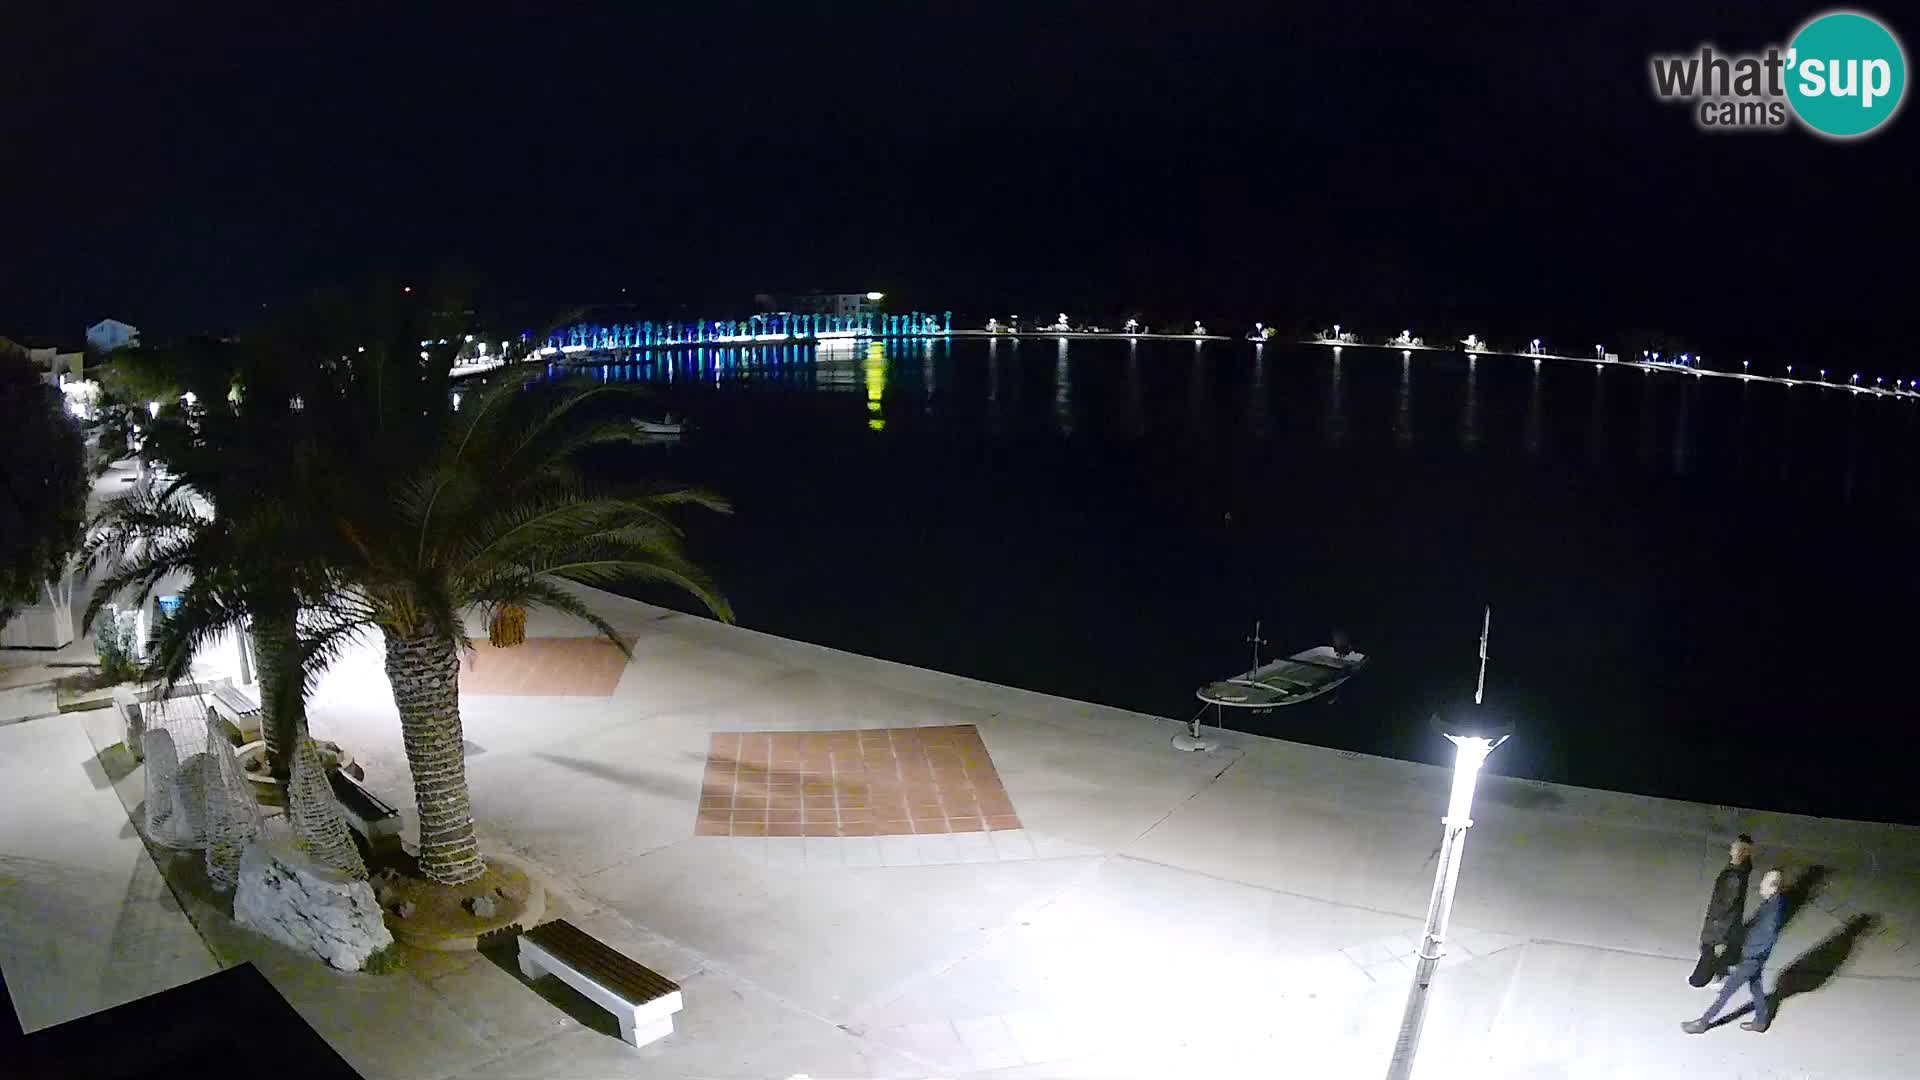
(844,305)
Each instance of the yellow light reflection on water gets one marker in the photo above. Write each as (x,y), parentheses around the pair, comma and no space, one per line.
(875,372)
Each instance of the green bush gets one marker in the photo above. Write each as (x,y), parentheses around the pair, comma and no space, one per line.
(113,641)
(43,493)
(386,961)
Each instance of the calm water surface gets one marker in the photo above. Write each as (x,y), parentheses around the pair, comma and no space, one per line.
(1701,588)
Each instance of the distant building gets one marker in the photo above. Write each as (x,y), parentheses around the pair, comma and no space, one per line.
(845,305)
(110,334)
(67,367)
(58,366)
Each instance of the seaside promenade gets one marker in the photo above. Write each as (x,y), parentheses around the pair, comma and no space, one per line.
(1093,904)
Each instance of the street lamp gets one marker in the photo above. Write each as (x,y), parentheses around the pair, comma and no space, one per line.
(1474,734)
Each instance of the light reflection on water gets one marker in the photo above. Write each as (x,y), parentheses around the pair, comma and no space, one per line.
(1199,395)
(1470,406)
(1403,405)
(1364,399)
(1336,413)
(1062,390)
(874,376)
(1596,417)
(1533,413)
(1257,395)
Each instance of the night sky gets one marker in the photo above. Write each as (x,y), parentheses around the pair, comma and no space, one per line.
(1381,165)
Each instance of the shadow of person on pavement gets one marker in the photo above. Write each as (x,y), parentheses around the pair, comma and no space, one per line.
(1814,968)
(1802,889)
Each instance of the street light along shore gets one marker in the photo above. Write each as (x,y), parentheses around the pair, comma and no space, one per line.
(1474,734)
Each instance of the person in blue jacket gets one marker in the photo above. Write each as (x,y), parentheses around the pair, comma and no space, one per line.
(1761,935)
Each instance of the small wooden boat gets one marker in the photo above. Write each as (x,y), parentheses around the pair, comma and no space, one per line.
(1301,677)
(659,431)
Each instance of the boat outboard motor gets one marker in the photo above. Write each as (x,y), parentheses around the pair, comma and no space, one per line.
(1342,645)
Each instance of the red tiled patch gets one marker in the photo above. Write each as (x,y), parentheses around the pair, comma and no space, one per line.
(864,782)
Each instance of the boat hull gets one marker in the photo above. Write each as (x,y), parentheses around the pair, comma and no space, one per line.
(1304,676)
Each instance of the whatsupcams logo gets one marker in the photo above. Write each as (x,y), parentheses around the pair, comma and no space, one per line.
(1842,76)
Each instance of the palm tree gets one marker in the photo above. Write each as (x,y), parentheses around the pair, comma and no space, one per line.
(230,518)
(439,512)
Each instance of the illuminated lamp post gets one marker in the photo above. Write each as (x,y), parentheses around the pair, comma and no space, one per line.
(1474,734)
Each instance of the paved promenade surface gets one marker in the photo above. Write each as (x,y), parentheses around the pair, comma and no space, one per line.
(1140,912)
(86,922)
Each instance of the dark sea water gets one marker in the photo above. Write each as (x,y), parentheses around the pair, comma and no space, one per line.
(1701,588)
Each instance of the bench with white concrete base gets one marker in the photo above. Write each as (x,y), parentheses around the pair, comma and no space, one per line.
(241,713)
(365,812)
(643,1000)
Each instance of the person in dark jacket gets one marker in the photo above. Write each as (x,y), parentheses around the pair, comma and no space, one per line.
(1725,908)
(1762,933)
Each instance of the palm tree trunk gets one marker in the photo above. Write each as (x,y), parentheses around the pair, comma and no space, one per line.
(425,672)
(283,708)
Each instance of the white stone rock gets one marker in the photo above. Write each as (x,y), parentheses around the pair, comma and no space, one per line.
(298,902)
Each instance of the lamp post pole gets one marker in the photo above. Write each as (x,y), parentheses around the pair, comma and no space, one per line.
(1472,742)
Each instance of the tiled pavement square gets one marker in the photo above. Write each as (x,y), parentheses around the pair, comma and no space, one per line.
(862,782)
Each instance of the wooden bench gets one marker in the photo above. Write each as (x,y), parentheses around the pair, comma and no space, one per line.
(242,712)
(643,1000)
(368,813)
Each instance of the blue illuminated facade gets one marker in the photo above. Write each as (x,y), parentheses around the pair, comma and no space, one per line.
(770,329)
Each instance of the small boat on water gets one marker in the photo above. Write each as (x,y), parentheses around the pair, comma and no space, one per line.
(660,431)
(1303,676)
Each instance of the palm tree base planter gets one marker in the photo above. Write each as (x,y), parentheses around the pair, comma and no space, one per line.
(273,792)
(440,918)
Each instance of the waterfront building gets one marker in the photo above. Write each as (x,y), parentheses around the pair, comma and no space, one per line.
(854,306)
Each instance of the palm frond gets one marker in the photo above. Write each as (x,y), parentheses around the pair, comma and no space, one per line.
(203,616)
(613,573)
(324,637)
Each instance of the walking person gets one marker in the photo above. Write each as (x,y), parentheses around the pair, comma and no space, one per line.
(1762,933)
(1726,906)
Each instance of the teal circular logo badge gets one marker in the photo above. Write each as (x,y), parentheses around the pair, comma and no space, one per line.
(1845,74)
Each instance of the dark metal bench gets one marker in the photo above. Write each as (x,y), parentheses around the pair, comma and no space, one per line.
(642,999)
(368,813)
